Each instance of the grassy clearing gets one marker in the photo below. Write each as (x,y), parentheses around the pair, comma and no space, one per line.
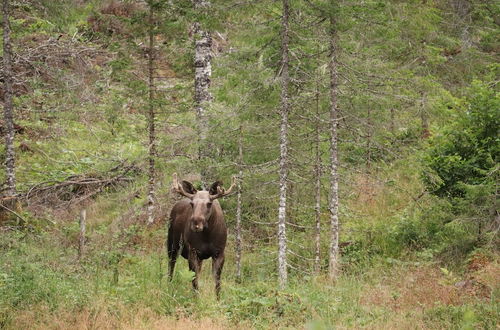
(411,263)
(42,285)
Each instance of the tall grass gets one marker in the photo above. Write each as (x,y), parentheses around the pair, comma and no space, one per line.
(127,287)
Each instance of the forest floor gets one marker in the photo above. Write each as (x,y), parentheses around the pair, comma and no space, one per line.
(80,101)
(44,286)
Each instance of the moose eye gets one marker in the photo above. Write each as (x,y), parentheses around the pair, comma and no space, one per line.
(209,204)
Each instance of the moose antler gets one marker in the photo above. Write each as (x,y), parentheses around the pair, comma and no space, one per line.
(221,192)
(178,187)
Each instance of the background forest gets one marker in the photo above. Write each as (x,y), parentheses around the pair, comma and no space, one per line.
(418,150)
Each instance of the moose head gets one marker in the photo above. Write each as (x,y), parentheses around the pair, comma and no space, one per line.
(201,201)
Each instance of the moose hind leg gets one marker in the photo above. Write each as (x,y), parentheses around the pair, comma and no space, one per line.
(217,264)
(174,244)
(173,252)
(172,256)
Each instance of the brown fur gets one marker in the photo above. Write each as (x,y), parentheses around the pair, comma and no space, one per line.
(197,230)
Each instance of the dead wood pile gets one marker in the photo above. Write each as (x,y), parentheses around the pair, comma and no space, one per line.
(78,188)
(39,56)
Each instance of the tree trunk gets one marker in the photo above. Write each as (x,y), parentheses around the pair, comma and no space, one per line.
(151,122)
(202,96)
(238,207)
(392,124)
(8,111)
(317,175)
(333,263)
(283,171)
(81,238)
(424,117)
(463,10)
(369,134)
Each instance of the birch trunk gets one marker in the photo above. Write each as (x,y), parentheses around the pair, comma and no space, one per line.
(202,96)
(8,111)
(81,239)
(283,171)
(238,206)
(317,174)
(333,263)
(151,123)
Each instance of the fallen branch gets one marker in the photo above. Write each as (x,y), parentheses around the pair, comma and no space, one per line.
(78,188)
(14,213)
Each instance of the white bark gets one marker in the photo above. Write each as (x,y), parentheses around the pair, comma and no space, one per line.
(333,263)
(202,96)
(81,240)
(8,111)
(317,175)
(238,207)
(151,122)
(369,134)
(463,10)
(283,172)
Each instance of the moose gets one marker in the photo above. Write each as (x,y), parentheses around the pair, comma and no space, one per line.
(197,229)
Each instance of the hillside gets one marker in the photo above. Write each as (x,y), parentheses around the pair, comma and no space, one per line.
(418,149)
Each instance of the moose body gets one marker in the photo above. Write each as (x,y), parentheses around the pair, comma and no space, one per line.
(197,230)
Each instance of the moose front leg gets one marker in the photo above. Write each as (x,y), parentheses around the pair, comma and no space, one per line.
(217,264)
(194,266)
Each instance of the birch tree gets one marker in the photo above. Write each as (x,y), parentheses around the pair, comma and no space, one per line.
(283,167)
(151,115)
(333,262)
(317,185)
(202,96)
(238,205)
(8,111)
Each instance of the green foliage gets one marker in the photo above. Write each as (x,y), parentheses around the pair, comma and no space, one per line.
(463,317)
(398,60)
(467,152)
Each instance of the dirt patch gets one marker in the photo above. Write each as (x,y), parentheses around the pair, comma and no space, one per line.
(415,288)
(367,189)
(111,18)
(119,8)
(420,288)
(110,318)
(489,275)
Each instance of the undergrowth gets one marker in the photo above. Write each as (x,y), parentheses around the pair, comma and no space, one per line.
(42,273)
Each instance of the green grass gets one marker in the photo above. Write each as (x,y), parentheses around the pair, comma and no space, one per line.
(41,271)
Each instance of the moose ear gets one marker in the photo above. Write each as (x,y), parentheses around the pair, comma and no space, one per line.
(213,187)
(188,187)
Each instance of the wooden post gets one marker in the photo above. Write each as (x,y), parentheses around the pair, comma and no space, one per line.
(81,241)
